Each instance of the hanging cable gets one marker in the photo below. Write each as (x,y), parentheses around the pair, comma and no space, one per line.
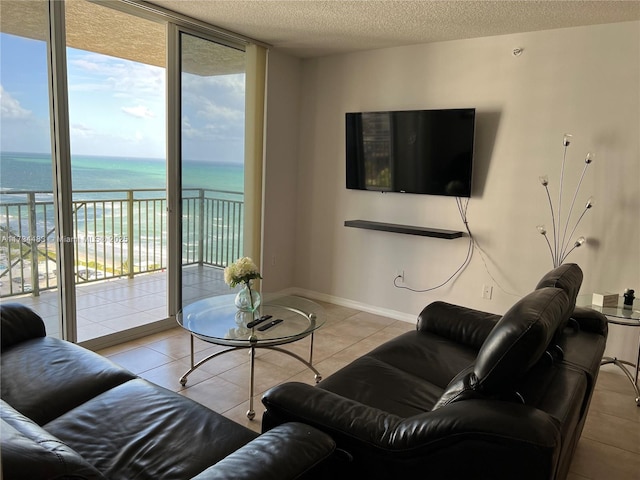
(462,209)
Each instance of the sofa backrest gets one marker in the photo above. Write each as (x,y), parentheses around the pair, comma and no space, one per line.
(567,277)
(516,343)
(19,323)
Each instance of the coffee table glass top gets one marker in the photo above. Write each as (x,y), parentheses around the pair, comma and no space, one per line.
(217,320)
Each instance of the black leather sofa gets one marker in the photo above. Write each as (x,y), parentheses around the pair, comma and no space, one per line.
(68,413)
(468,394)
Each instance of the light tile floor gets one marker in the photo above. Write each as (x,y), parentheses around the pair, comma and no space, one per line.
(114,305)
(609,448)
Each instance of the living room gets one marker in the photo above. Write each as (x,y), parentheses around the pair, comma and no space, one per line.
(580,80)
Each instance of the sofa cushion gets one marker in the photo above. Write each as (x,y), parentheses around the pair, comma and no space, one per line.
(143,431)
(30,452)
(426,355)
(379,385)
(404,376)
(46,377)
(515,344)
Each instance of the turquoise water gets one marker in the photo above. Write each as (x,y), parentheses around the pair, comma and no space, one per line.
(28,171)
(105,213)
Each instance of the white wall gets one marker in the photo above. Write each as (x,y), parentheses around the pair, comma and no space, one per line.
(584,81)
(281,171)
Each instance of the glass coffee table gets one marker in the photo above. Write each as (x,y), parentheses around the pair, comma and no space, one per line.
(216,320)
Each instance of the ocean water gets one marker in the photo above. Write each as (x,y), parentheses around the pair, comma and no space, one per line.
(100,208)
(27,171)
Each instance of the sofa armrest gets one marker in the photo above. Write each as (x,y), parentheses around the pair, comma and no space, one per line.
(463,325)
(348,418)
(288,451)
(18,324)
(502,439)
(329,411)
(590,320)
(483,432)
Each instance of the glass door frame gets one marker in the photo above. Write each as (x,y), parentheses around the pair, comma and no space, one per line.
(174,154)
(61,156)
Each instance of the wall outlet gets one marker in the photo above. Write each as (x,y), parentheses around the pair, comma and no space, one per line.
(487,291)
(399,278)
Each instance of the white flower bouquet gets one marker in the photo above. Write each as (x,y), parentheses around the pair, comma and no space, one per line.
(242,270)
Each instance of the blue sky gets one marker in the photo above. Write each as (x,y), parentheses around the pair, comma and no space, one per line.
(116,107)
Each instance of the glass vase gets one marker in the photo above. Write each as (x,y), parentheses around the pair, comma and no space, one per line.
(247,299)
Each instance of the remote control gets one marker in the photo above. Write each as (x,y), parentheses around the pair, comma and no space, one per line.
(270,324)
(258,321)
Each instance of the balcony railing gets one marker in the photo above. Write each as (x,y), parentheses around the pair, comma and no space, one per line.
(117,233)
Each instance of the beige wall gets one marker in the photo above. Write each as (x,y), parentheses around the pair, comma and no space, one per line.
(584,81)
(281,171)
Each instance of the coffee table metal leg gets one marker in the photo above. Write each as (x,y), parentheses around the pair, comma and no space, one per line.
(183,378)
(621,364)
(317,376)
(252,352)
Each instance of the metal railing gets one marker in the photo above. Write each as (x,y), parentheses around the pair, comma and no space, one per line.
(117,233)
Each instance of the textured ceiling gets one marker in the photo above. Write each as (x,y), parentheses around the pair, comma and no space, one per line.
(310,28)
(95,28)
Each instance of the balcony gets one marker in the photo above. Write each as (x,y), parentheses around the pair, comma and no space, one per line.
(120,253)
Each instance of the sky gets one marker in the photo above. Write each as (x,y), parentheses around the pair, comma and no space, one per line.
(116,107)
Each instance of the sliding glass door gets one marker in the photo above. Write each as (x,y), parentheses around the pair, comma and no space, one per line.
(212,104)
(28,245)
(116,80)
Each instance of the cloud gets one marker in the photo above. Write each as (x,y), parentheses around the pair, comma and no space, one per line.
(139,111)
(80,130)
(214,111)
(96,72)
(10,107)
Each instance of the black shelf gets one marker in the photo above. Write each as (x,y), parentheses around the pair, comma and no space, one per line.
(406,229)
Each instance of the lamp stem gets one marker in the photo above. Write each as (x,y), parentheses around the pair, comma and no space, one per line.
(557,240)
(550,250)
(572,232)
(567,254)
(573,201)
(553,224)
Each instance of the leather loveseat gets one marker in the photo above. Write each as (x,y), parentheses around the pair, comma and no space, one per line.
(468,394)
(68,413)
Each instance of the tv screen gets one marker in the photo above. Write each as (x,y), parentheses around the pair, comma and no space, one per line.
(417,151)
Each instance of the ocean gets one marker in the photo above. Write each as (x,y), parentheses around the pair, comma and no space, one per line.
(29,171)
(101,209)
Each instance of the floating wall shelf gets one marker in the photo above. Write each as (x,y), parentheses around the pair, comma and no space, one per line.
(406,229)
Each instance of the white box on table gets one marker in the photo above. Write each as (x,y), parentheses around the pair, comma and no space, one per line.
(605,299)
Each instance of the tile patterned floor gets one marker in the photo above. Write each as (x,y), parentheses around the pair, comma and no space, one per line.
(609,448)
(118,304)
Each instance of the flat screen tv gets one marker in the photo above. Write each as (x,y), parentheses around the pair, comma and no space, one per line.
(417,151)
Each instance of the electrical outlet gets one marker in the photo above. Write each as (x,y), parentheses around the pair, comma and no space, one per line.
(487,291)
(399,276)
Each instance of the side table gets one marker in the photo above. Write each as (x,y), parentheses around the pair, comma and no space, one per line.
(627,317)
